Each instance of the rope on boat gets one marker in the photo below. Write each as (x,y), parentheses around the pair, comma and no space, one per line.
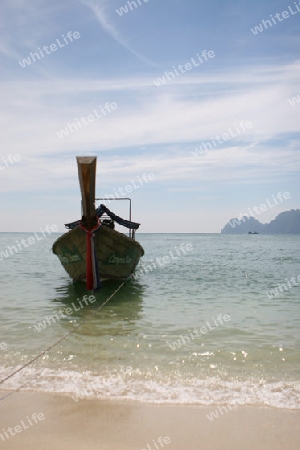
(57,342)
(92,274)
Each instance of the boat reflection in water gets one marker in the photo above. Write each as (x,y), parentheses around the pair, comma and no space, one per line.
(117,317)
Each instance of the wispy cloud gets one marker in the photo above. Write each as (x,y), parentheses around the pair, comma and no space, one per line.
(231,165)
(100,11)
(38,109)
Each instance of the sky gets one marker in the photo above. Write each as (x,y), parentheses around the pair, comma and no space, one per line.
(142,88)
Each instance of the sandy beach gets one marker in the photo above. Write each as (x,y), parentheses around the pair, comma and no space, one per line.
(94,424)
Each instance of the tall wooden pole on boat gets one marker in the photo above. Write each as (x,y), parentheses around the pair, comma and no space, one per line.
(87,180)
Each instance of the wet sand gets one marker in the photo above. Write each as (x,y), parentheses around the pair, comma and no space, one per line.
(95,424)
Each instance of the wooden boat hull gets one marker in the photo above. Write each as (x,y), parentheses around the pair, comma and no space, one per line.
(117,254)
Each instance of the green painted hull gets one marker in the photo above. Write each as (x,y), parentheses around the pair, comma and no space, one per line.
(117,254)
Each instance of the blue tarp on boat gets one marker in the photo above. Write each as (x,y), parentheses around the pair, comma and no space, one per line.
(102,209)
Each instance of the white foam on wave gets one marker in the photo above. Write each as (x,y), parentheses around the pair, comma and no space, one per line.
(127,384)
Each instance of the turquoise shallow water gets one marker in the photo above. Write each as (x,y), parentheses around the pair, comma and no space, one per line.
(163,338)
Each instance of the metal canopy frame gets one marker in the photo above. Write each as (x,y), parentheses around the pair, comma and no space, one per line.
(131,232)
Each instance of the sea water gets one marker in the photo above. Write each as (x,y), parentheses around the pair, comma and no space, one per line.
(216,324)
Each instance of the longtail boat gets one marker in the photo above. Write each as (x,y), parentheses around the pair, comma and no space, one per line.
(92,250)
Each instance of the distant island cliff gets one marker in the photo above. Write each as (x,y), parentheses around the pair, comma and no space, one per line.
(286,222)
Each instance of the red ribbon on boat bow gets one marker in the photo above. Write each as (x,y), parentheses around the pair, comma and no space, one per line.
(92,274)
